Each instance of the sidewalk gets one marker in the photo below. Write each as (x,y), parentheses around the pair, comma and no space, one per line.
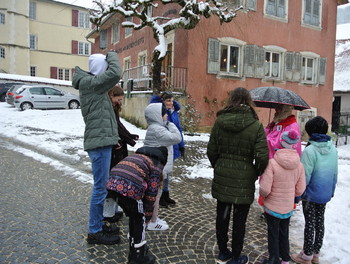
(44,218)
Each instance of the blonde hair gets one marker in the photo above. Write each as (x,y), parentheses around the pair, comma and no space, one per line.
(285,111)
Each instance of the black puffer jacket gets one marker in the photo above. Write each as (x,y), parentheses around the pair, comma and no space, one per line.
(238,152)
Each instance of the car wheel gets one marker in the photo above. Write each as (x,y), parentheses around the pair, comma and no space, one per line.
(73,104)
(2,98)
(26,105)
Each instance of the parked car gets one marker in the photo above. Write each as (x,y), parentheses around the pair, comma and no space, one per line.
(4,87)
(44,97)
(10,99)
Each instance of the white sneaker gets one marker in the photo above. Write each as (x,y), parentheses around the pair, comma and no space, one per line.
(157,226)
(161,221)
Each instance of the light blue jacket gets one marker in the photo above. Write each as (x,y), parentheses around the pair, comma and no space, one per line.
(320,160)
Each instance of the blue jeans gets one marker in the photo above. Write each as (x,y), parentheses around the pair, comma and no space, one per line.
(166,183)
(101,160)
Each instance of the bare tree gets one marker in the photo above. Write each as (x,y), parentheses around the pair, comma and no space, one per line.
(187,18)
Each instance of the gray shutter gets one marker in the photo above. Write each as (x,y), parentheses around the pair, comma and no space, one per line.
(297,67)
(103,39)
(249,60)
(322,71)
(213,56)
(288,67)
(251,5)
(260,59)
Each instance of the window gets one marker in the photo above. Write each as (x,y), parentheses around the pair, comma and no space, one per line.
(272,66)
(63,74)
(116,31)
(32,71)
(308,69)
(50,91)
(2,18)
(142,61)
(83,48)
(246,4)
(36,90)
(103,39)
(229,59)
(128,30)
(83,19)
(2,52)
(33,42)
(32,10)
(276,8)
(312,12)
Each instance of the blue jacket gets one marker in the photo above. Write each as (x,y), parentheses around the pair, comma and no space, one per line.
(173,116)
(320,160)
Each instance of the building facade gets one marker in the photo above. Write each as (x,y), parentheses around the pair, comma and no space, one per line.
(43,38)
(289,44)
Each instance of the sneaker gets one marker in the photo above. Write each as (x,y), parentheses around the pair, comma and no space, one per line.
(316,258)
(157,226)
(112,229)
(224,257)
(114,218)
(240,260)
(103,238)
(161,221)
(301,258)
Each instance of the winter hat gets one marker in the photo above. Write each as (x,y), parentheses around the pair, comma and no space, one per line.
(289,139)
(97,64)
(317,125)
(163,110)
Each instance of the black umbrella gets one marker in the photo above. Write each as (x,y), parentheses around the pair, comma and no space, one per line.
(272,96)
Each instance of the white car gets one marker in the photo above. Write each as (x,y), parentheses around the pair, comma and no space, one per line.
(44,97)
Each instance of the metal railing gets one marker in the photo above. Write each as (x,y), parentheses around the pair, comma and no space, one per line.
(173,78)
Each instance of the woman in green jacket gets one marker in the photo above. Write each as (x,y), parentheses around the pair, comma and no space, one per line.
(238,152)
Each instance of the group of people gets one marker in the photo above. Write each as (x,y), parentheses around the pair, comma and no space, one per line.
(240,150)
(138,183)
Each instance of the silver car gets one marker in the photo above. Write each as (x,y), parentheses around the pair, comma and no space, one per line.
(44,97)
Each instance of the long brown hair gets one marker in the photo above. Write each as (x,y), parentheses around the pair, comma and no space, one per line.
(116,91)
(241,96)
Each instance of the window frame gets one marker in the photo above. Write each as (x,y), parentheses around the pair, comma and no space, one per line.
(2,18)
(83,19)
(315,58)
(228,57)
(276,16)
(62,74)
(85,46)
(115,32)
(274,50)
(248,5)
(2,53)
(32,70)
(319,19)
(128,30)
(33,39)
(32,10)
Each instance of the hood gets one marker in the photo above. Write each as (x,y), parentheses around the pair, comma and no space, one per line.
(153,113)
(322,147)
(235,119)
(287,158)
(78,75)
(97,64)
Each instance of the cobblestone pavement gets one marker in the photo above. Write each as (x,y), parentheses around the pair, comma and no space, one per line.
(44,217)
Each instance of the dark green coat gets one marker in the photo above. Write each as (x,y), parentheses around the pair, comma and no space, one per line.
(238,152)
(100,123)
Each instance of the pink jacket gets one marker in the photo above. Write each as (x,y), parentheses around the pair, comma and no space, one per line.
(282,181)
(273,137)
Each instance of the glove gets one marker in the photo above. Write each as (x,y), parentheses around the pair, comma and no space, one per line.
(135,137)
(182,153)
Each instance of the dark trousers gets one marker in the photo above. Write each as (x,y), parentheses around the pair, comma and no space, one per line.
(278,238)
(239,219)
(314,227)
(137,221)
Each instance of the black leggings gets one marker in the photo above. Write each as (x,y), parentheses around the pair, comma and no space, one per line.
(240,214)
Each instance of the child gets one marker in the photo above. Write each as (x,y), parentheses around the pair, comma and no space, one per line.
(134,181)
(320,160)
(282,181)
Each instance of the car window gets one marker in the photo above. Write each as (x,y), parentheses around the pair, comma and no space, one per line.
(51,91)
(36,90)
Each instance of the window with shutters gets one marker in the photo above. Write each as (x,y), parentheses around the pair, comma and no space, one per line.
(245,4)
(83,19)
(32,10)
(311,68)
(272,65)
(116,31)
(84,48)
(63,74)
(225,57)
(277,9)
(103,39)
(312,12)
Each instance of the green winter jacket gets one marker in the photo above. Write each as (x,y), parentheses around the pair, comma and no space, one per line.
(100,123)
(238,152)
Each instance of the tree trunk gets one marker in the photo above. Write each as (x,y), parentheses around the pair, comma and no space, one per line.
(156,70)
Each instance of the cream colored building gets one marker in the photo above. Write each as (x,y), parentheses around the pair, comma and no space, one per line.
(43,38)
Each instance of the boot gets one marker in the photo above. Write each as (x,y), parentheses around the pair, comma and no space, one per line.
(301,258)
(168,199)
(139,254)
(162,202)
